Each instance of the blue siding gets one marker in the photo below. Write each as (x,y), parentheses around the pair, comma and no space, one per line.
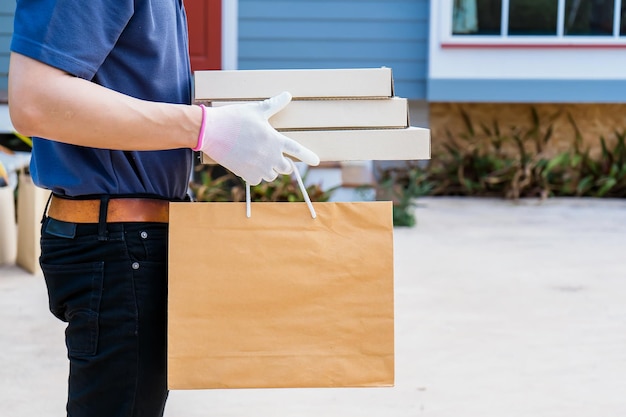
(277,34)
(7,10)
(526,91)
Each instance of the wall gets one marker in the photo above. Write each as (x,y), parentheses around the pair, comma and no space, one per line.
(592,120)
(522,69)
(502,79)
(277,34)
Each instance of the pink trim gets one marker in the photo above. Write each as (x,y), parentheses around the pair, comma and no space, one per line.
(460,45)
(202,128)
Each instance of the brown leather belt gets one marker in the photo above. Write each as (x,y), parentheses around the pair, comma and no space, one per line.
(120,210)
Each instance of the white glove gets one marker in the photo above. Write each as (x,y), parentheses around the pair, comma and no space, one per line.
(240,138)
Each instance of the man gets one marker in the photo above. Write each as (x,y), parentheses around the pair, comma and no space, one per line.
(109,88)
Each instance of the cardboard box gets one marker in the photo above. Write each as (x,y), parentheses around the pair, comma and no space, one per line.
(301,83)
(8,236)
(340,114)
(31,203)
(412,143)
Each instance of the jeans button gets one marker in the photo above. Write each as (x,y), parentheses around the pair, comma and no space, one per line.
(144,235)
(135,265)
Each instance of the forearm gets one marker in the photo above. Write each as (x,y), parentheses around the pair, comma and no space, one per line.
(50,103)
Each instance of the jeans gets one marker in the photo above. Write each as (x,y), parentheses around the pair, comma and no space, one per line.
(112,292)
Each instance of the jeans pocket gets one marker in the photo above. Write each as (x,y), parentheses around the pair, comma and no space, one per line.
(74,294)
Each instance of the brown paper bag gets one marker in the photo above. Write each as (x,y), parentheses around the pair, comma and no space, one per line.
(280,299)
(31,203)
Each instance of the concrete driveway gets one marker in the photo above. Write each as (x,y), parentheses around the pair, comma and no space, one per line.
(502,309)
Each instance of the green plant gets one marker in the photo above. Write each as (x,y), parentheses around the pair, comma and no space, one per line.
(211,185)
(402,185)
(610,170)
(528,179)
(216,184)
(576,173)
(514,163)
(491,162)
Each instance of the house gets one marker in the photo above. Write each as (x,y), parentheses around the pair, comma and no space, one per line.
(493,59)
(496,58)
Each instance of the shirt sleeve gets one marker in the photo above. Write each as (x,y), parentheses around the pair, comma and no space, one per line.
(75,36)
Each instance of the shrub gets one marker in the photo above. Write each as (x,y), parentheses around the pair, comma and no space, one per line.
(514,164)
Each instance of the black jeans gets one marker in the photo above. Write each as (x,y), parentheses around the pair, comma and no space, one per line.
(113,294)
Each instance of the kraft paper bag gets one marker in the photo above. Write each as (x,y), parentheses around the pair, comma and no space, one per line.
(280,299)
(31,203)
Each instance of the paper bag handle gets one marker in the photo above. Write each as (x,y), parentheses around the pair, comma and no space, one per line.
(300,184)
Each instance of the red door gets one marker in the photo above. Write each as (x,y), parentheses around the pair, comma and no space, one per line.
(204,18)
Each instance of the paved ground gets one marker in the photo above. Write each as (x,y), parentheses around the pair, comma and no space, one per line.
(502,310)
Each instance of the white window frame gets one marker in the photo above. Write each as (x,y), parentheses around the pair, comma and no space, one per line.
(503,39)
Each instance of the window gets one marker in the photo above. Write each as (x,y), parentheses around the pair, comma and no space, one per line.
(568,20)
(533,17)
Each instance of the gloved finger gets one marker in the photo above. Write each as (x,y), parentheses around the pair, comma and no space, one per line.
(293,148)
(271,177)
(273,105)
(284,166)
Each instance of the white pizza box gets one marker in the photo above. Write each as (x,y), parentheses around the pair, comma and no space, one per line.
(411,143)
(329,114)
(228,85)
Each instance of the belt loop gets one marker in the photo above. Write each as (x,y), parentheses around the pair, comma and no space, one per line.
(102,218)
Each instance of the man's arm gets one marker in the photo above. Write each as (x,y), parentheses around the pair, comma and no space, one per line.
(50,103)
(47,102)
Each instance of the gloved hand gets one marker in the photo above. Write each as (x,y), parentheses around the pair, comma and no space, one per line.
(240,138)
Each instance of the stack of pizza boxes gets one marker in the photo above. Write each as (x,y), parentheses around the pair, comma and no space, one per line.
(340,114)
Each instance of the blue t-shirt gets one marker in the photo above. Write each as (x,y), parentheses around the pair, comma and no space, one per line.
(137,47)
